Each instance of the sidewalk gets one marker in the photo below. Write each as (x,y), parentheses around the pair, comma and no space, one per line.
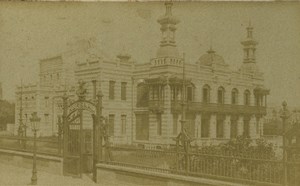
(15,176)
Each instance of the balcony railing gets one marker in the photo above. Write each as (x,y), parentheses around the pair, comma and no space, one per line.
(218,108)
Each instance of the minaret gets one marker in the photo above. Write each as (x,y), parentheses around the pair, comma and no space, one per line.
(249,46)
(168,27)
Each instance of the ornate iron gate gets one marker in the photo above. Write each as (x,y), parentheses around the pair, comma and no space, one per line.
(73,151)
(77,157)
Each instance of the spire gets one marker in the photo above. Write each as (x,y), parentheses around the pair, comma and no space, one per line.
(168,27)
(250,30)
(249,45)
(168,8)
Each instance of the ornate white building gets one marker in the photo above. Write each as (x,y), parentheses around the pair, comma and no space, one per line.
(142,101)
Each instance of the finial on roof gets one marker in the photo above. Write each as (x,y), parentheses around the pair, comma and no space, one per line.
(168,5)
(210,51)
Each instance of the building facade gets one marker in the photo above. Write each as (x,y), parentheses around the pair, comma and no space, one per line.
(143,102)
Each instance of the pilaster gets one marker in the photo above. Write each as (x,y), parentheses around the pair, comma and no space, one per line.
(198,125)
(240,126)
(212,126)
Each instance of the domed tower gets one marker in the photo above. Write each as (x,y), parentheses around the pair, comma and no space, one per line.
(211,58)
(249,47)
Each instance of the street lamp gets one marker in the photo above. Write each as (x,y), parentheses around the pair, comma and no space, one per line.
(35,121)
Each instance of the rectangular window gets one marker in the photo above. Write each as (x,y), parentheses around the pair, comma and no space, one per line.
(175,123)
(142,127)
(123,90)
(204,128)
(220,128)
(189,93)
(233,129)
(123,124)
(46,101)
(111,90)
(246,128)
(46,118)
(159,125)
(111,124)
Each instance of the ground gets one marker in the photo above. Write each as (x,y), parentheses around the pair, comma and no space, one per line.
(14,176)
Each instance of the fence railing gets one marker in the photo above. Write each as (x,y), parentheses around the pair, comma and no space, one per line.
(256,169)
(49,146)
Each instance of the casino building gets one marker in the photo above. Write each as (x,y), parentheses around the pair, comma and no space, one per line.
(143,101)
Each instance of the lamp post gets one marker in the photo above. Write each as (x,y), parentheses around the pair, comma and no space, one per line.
(60,131)
(35,121)
(284,117)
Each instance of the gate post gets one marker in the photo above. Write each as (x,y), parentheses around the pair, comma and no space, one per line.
(284,117)
(97,135)
(64,127)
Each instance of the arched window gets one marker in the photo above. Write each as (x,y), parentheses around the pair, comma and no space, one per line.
(221,92)
(234,96)
(247,97)
(206,94)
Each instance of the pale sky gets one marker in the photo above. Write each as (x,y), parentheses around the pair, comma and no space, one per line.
(31,31)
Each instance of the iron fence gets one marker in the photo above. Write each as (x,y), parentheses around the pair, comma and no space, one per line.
(236,166)
(46,145)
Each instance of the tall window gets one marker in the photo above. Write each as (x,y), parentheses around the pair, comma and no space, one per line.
(46,101)
(175,123)
(112,90)
(46,118)
(246,128)
(220,128)
(233,128)
(111,124)
(206,91)
(123,90)
(221,95)
(247,97)
(189,93)
(159,124)
(123,124)
(234,96)
(142,95)
(204,128)
(142,127)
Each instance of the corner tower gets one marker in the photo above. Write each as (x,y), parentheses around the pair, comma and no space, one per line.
(249,47)
(168,27)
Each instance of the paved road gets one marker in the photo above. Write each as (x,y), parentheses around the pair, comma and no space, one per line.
(15,176)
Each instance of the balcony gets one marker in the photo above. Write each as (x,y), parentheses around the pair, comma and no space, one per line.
(156,105)
(218,108)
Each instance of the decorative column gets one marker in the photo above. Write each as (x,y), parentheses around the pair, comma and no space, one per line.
(167,117)
(240,126)
(227,123)
(252,98)
(261,126)
(212,126)
(252,127)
